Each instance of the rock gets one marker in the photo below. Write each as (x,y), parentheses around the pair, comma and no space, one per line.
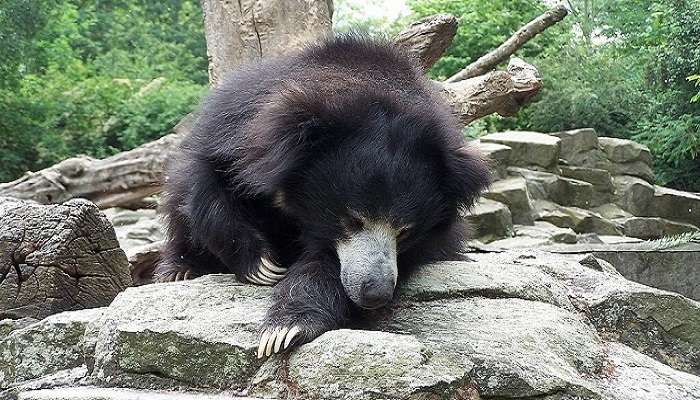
(540,234)
(633,194)
(654,228)
(142,261)
(578,219)
(634,376)
(548,186)
(636,168)
(528,148)
(172,334)
(55,258)
(591,261)
(491,220)
(612,211)
(575,142)
(673,269)
(44,348)
(624,151)
(135,228)
(93,393)
(594,158)
(9,325)
(676,205)
(513,193)
(497,154)
(519,324)
(601,180)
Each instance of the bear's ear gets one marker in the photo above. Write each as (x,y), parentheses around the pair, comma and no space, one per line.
(277,140)
(468,174)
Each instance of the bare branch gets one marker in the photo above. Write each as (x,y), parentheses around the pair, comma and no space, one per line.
(428,38)
(510,46)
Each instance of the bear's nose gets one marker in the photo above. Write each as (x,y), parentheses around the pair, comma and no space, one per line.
(374,295)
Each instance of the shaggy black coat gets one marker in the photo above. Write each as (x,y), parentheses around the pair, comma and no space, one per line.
(285,153)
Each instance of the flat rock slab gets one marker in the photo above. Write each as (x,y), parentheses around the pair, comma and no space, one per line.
(56,258)
(513,193)
(624,151)
(676,204)
(654,227)
(528,148)
(576,141)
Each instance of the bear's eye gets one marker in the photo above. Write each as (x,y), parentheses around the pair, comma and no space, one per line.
(354,221)
(404,231)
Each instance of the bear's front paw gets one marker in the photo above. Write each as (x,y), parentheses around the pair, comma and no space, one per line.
(266,273)
(275,340)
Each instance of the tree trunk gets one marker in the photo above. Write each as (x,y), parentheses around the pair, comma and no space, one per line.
(428,38)
(57,258)
(241,31)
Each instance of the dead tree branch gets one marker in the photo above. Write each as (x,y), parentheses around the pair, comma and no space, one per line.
(510,46)
(428,38)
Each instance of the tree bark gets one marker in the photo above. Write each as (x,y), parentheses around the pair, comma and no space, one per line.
(57,258)
(428,38)
(241,31)
(510,46)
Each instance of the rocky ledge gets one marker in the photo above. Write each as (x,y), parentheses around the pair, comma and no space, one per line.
(516,325)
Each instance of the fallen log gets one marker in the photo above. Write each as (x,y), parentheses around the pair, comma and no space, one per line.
(428,38)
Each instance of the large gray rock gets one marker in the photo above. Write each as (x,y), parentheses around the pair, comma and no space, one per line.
(491,220)
(576,142)
(633,194)
(676,204)
(56,258)
(513,193)
(540,234)
(612,211)
(44,348)
(135,228)
(654,228)
(507,325)
(528,148)
(95,393)
(624,151)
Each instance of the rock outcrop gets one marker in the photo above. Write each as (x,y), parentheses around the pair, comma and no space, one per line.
(519,324)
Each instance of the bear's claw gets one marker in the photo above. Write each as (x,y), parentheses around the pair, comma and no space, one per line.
(272,339)
(267,273)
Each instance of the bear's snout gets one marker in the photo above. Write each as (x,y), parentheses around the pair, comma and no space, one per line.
(368,267)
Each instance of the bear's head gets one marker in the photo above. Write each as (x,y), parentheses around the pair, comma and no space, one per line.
(370,179)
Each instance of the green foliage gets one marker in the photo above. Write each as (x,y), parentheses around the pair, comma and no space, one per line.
(72,73)
(696,79)
(483,25)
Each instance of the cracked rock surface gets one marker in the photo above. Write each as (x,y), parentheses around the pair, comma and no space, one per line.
(55,258)
(517,324)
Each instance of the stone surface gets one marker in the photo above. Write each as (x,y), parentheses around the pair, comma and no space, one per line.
(675,204)
(633,194)
(552,187)
(636,168)
(497,154)
(9,325)
(95,393)
(601,180)
(612,211)
(513,193)
(624,151)
(540,234)
(578,219)
(44,348)
(654,227)
(56,258)
(135,228)
(528,148)
(509,325)
(575,142)
(491,220)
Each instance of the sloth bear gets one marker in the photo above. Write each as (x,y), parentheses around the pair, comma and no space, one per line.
(325,173)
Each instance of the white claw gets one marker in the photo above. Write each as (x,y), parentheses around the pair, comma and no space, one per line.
(290,335)
(269,274)
(271,266)
(280,339)
(271,342)
(263,343)
(254,279)
(265,280)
